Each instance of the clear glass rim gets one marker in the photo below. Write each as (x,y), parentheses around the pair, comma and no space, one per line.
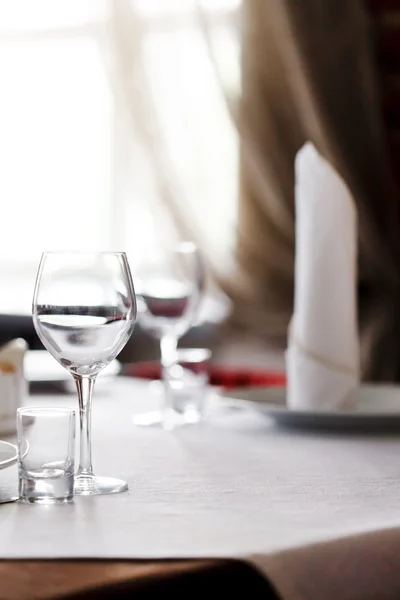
(32,411)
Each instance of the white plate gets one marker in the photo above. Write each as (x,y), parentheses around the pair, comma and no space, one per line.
(8,455)
(41,367)
(378,408)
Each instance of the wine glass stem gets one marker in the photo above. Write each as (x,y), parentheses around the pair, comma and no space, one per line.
(168,345)
(85,387)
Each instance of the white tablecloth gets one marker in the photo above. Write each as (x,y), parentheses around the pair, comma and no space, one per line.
(317,513)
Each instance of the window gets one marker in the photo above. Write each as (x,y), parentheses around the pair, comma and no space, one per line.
(62,183)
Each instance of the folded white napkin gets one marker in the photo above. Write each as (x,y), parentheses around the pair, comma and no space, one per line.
(322,359)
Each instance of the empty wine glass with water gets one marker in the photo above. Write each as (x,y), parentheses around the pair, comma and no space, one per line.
(169,285)
(84,310)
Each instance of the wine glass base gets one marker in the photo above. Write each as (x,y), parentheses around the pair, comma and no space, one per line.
(95,486)
(167,420)
(153,418)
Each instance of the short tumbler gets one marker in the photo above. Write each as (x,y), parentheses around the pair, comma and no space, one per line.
(46,451)
(188,381)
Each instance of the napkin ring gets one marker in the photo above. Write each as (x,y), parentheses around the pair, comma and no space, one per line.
(327,362)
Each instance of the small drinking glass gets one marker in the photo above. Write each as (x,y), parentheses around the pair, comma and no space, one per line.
(84,311)
(188,381)
(46,454)
(169,286)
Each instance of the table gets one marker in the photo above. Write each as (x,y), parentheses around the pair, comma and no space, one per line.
(25,580)
(309,510)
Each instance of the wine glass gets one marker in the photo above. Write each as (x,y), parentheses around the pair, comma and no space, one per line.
(169,286)
(84,310)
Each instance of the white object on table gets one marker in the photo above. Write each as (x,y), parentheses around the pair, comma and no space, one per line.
(231,487)
(13,387)
(322,359)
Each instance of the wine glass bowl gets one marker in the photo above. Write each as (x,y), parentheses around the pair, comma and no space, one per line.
(84,310)
(169,286)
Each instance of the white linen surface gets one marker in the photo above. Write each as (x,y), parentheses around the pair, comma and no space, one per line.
(233,486)
(323,349)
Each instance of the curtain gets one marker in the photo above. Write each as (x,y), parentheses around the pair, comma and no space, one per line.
(117,130)
(126,122)
(309,73)
(176,84)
